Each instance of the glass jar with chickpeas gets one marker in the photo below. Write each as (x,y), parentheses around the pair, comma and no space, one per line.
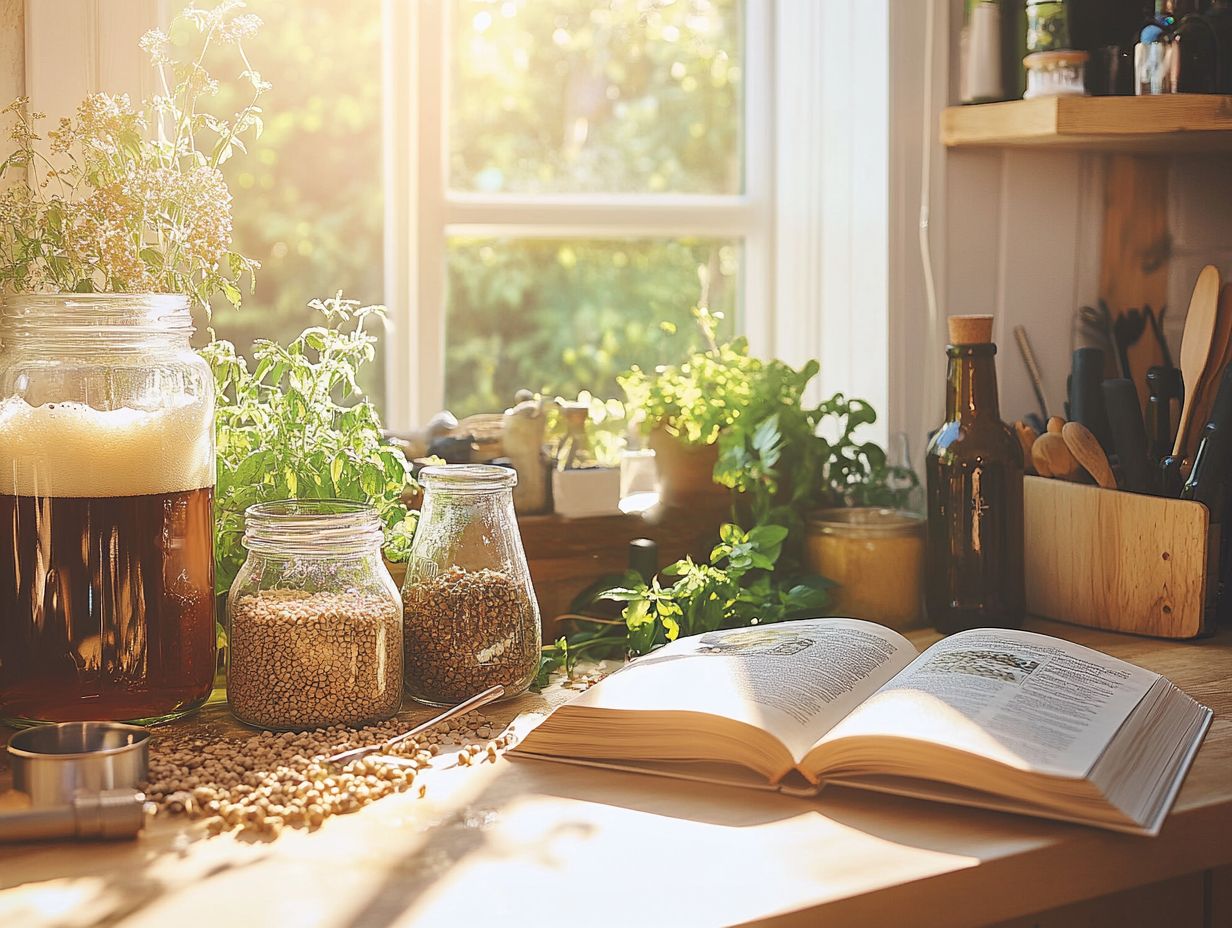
(315,619)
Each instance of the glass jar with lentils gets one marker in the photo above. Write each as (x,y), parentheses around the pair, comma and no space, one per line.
(315,619)
(471,617)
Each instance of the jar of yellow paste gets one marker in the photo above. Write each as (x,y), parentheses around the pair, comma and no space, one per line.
(876,558)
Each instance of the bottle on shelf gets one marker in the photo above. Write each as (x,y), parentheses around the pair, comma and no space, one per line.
(1175,51)
(975,494)
(981,74)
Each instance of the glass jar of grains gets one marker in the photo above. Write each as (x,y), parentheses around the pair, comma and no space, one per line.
(876,558)
(315,619)
(471,618)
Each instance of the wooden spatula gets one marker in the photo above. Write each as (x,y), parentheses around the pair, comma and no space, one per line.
(1217,359)
(1196,346)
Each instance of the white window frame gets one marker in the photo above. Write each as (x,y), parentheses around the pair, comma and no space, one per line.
(421,212)
(826,215)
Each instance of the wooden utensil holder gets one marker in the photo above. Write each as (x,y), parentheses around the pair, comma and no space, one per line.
(1119,561)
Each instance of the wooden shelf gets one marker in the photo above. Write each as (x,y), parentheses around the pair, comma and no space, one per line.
(1163,124)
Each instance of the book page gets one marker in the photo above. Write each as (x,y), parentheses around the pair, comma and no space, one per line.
(794,680)
(1033,702)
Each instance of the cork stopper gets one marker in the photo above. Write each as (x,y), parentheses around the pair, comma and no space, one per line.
(970,330)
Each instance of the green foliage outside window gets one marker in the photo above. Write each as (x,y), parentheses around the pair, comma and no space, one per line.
(626,97)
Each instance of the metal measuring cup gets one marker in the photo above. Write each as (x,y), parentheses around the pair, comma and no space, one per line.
(81,779)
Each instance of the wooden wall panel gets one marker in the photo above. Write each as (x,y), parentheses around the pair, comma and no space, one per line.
(1022,237)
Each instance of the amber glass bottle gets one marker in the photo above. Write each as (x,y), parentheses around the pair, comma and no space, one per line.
(974,468)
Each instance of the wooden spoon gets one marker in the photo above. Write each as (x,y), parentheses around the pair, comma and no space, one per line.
(1052,458)
(1087,452)
(1218,358)
(1196,346)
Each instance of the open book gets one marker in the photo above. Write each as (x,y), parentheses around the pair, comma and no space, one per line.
(1000,719)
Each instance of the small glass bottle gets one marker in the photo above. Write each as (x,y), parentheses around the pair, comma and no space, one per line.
(315,619)
(974,575)
(982,74)
(471,617)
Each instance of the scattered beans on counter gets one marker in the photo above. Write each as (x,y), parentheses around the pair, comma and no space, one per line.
(306,660)
(465,631)
(261,784)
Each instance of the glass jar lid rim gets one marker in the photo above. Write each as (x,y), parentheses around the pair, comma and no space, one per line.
(293,509)
(468,477)
(86,313)
(866,520)
(312,527)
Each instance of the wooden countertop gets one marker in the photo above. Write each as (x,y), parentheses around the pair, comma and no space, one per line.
(519,842)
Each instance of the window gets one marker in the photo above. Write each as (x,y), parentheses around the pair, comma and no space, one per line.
(596,182)
(569,179)
(547,177)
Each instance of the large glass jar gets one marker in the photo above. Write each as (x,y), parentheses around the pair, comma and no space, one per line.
(315,619)
(471,618)
(106,497)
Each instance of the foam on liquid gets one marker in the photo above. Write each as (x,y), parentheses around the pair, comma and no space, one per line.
(73,450)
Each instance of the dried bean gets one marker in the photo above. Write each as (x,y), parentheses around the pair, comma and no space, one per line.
(466,631)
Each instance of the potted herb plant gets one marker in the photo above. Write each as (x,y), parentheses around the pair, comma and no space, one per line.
(684,408)
(297,426)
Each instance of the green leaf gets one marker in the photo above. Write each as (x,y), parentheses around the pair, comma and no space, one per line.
(622,595)
(231,292)
(670,627)
(768,535)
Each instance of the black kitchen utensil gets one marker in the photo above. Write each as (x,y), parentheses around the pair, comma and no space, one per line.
(1209,476)
(1128,435)
(1126,330)
(1086,399)
(1164,387)
(1165,390)
(1094,328)
(1156,323)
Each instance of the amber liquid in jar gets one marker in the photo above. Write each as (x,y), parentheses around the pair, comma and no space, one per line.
(974,575)
(114,605)
(106,510)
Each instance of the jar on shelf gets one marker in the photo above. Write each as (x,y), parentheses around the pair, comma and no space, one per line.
(471,617)
(1055,74)
(315,619)
(876,559)
(106,502)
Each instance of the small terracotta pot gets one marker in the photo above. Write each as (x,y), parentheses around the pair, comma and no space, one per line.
(685,472)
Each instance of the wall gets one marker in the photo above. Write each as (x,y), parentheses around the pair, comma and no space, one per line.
(12,58)
(1200,220)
